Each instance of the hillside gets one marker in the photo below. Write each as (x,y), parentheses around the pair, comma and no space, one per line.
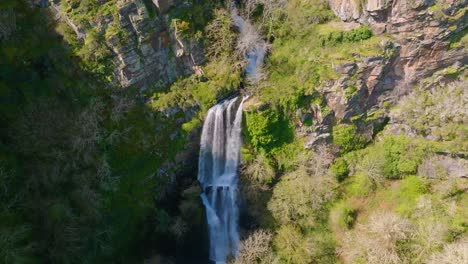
(354,129)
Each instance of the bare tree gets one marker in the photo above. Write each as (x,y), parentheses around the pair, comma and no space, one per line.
(254,248)
(377,241)
(453,253)
(320,161)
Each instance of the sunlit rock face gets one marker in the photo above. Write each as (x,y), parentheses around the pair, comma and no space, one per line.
(419,47)
(146,55)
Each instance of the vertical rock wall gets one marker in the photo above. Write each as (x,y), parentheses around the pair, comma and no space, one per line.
(147,51)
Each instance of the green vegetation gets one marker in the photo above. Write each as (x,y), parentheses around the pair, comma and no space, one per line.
(301,61)
(96,56)
(267,129)
(340,169)
(445,125)
(85,166)
(222,74)
(343,215)
(90,173)
(338,37)
(347,138)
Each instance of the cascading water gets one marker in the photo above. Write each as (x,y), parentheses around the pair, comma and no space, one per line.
(217,173)
(220,152)
(251,44)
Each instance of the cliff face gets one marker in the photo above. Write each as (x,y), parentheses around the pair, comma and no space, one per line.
(144,49)
(421,35)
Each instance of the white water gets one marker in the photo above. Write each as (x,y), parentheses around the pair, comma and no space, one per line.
(251,44)
(217,173)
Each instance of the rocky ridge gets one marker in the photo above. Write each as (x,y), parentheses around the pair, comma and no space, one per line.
(420,45)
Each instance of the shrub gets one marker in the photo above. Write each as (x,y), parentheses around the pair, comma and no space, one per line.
(340,169)
(299,197)
(260,169)
(292,246)
(221,39)
(189,126)
(438,112)
(347,138)
(343,215)
(361,185)
(268,129)
(337,37)
(402,156)
(318,163)
(410,189)
(289,156)
(452,253)
(431,235)
(372,165)
(392,158)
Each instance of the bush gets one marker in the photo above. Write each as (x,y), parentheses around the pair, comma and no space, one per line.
(391,158)
(337,37)
(361,185)
(289,156)
(314,246)
(340,169)
(452,253)
(443,108)
(343,215)
(259,169)
(402,156)
(347,138)
(268,129)
(300,198)
(220,37)
(292,246)
(410,189)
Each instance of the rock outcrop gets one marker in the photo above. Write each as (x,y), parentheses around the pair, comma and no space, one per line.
(146,50)
(419,46)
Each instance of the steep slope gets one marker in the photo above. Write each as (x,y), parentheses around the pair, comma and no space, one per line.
(345,134)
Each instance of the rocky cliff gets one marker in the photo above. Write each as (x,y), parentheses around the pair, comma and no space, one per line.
(422,36)
(141,41)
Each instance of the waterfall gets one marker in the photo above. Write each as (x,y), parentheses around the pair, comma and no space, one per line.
(251,44)
(217,173)
(220,151)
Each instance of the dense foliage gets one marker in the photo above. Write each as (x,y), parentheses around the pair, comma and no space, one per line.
(91,173)
(370,196)
(85,167)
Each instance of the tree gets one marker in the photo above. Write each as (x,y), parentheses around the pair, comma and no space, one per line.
(254,248)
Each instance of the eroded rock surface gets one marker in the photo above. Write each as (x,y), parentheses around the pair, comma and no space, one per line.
(150,53)
(420,45)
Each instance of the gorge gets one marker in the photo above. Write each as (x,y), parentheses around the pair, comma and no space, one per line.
(234,132)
